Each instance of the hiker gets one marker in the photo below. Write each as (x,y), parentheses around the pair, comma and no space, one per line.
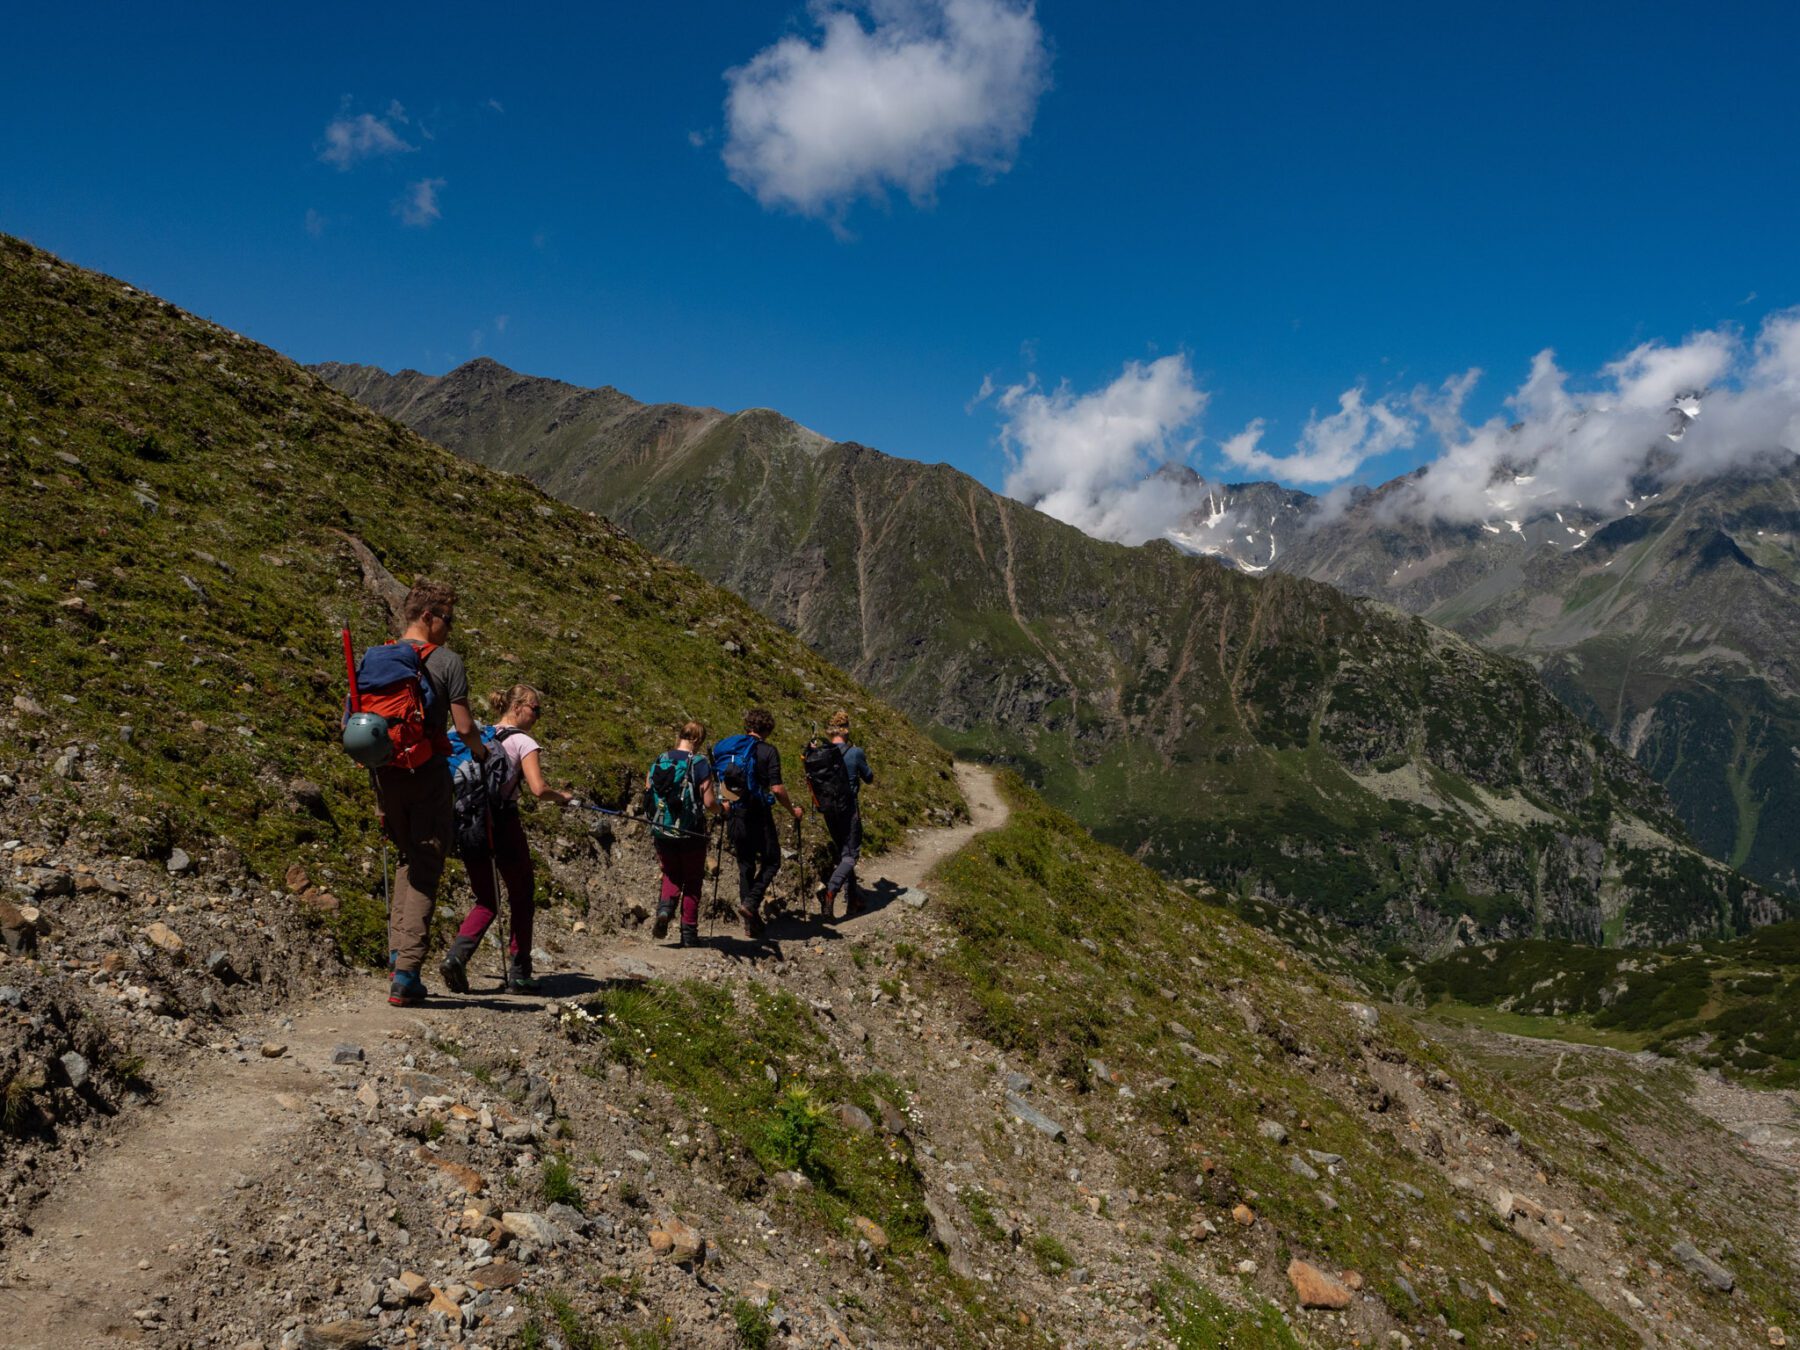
(749,769)
(836,771)
(507,858)
(682,795)
(413,791)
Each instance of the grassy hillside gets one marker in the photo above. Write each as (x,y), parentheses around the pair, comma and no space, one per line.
(174,506)
(1732,1006)
(1270,736)
(1092,971)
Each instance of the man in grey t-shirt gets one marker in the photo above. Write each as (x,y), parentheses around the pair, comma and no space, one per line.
(417,805)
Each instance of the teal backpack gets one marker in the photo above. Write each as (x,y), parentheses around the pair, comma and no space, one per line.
(676,809)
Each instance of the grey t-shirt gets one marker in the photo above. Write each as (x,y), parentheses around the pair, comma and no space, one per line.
(449,684)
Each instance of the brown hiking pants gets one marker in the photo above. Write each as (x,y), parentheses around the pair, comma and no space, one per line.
(417,808)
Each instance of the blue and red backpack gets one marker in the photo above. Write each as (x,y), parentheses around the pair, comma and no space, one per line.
(391,682)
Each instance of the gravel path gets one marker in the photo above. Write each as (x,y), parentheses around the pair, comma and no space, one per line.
(99,1247)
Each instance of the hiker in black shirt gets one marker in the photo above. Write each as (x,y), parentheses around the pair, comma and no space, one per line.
(751,823)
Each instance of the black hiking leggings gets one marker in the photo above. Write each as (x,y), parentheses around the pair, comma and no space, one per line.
(757,844)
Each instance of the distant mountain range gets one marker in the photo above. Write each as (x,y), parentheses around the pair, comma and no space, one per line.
(1272,735)
(1671,624)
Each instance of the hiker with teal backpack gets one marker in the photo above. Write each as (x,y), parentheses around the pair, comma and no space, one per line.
(405,696)
(748,769)
(491,838)
(680,795)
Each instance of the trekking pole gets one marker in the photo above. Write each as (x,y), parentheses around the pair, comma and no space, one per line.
(499,917)
(712,910)
(799,869)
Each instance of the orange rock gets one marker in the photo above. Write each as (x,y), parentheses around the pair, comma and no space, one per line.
(500,1275)
(466,1177)
(873,1233)
(1243,1214)
(1315,1288)
(1352,1279)
(443,1303)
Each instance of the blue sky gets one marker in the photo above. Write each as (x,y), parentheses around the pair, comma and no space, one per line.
(1292,203)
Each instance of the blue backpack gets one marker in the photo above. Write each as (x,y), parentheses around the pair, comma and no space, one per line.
(734,765)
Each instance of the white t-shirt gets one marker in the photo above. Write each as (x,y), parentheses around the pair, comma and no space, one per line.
(515,747)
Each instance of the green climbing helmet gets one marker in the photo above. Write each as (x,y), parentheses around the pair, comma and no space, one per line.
(366,739)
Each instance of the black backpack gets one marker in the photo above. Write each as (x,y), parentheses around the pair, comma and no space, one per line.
(828,777)
(478,795)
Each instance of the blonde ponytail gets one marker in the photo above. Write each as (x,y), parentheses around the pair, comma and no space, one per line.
(503,701)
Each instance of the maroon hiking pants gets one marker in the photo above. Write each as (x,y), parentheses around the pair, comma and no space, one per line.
(510,862)
(683,874)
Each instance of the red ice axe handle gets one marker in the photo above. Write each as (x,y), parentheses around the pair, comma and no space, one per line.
(350,670)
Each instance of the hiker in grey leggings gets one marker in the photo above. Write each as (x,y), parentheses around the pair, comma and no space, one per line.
(846,831)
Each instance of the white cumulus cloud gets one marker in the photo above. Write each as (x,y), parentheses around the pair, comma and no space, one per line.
(1331,448)
(350,139)
(887,94)
(1087,459)
(419,207)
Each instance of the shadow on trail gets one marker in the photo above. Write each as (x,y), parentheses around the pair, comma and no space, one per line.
(563,985)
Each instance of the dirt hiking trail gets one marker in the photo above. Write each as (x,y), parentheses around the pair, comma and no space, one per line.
(101,1264)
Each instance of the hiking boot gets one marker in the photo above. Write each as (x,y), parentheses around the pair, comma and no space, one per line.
(828,905)
(455,965)
(853,903)
(519,979)
(690,935)
(665,911)
(753,924)
(407,990)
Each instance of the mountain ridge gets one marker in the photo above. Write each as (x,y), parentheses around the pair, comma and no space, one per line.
(1239,730)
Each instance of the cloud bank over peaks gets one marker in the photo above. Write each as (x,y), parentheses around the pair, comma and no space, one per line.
(889,94)
(1115,461)
(1090,459)
(1705,406)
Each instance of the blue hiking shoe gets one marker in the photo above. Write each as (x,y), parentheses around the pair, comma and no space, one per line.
(407,990)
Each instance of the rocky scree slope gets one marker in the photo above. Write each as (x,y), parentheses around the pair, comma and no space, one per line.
(1273,737)
(1670,622)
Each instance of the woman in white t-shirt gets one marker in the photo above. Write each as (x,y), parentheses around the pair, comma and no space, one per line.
(518,710)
